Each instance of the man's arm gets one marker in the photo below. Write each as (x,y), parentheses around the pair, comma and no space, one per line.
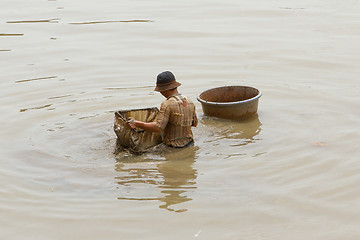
(161,121)
(151,126)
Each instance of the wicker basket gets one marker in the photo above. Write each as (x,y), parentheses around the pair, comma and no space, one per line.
(136,140)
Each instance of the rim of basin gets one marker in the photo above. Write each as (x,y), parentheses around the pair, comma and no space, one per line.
(229,103)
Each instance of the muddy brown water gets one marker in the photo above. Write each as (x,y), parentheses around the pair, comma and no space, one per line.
(291,172)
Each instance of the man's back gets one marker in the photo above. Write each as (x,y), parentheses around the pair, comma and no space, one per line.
(177,116)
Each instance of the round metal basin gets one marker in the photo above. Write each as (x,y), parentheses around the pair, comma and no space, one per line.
(231,102)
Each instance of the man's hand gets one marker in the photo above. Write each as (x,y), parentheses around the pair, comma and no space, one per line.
(131,122)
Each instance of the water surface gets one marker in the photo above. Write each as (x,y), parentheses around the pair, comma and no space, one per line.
(290,172)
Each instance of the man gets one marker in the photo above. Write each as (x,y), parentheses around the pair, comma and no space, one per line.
(176,117)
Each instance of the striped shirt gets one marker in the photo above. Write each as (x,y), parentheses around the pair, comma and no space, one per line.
(176,117)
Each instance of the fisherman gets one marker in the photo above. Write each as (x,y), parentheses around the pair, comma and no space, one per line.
(176,117)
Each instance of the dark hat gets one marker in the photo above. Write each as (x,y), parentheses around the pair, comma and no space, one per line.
(166,81)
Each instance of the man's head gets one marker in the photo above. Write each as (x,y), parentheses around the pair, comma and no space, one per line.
(166,81)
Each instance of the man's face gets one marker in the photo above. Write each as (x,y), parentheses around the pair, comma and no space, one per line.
(164,94)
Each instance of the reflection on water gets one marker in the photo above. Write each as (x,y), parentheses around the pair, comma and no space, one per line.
(35,108)
(53,20)
(56,20)
(11,34)
(244,131)
(171,172)
(110,21)
(167,175)
(35,79)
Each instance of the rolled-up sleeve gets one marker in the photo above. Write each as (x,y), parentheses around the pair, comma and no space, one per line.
(163,116)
